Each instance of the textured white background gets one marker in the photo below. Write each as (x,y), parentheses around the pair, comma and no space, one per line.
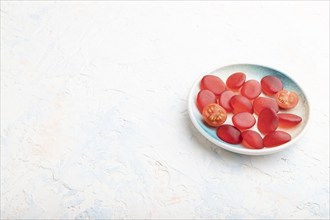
(93,110)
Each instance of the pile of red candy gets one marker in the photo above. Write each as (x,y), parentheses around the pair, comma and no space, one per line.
(242,98)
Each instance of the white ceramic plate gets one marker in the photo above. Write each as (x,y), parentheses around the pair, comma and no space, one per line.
(252,72)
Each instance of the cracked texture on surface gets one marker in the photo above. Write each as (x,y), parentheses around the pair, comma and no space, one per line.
(93,110)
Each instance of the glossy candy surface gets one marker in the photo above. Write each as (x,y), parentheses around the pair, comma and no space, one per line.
(251,89)
(224,100)
(276,138)
(252,139)
(261,103)
(204,97)
(213,83)
(235,80)
(243,120)
(229,134)
(271,85)
(267,121)
(240,103)
(287,120)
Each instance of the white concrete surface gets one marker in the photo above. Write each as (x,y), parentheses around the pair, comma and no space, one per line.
(93,110)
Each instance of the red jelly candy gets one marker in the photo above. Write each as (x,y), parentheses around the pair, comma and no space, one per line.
(224,100)
(204,98)
(252,139)
(271,85)
(276,138)
(243,120)
(267,121)
(287,120)
(213,83)
(261,103)
(251,89)
(240,103)
(235,80)
(229,134)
